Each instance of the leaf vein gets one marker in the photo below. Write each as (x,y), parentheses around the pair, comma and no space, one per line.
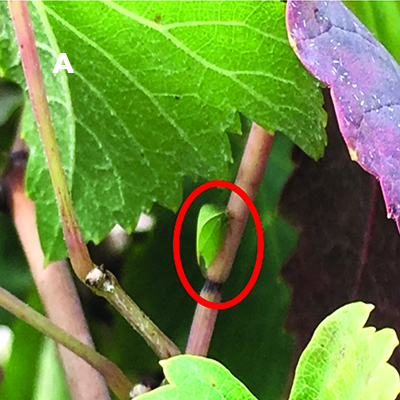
(205,63)
(171,121)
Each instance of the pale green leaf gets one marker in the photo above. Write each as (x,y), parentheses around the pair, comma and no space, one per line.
(192,377)
(156,86)
(347,361)
(211,230)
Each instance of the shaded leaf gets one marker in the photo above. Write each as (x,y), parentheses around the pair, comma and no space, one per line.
(192,377)
(156,85)
(11,105)
(211,230)
(365,86)
(344,360)
(15,275)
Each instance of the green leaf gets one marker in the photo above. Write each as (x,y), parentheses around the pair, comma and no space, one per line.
(236,126)
(156,85)
(211,230)
(345,360)
(192,377)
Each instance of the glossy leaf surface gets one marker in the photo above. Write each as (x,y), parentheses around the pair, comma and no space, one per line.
(155,87)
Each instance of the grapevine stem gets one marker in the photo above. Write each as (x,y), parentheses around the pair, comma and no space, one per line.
(54,283)
(79,255)
(105,284)
(78,252)
(249,178)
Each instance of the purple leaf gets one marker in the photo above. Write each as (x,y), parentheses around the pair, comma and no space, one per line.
(364,80)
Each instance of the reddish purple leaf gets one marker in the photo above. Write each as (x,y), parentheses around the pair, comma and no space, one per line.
(364,80)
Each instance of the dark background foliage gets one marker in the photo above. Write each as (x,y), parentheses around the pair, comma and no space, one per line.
(347,249)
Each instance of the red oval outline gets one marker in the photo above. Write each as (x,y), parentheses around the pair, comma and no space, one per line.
(260,244)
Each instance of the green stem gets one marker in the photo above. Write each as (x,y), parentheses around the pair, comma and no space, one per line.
(114,377)
(251,171)
(106,285)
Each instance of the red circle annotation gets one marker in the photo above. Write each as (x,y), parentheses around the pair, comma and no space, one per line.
(260,244)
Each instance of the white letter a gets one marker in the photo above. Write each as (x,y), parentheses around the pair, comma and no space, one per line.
(59,64)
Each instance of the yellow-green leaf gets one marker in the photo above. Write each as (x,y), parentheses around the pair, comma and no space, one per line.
(347,361)
(195,378)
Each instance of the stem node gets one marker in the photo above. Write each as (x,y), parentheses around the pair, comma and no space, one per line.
(248,178)
(100,280)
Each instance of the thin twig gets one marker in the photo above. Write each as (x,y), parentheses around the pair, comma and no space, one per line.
(249,178)
(116,380)
(78,252)
(106,285)
(56,287)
